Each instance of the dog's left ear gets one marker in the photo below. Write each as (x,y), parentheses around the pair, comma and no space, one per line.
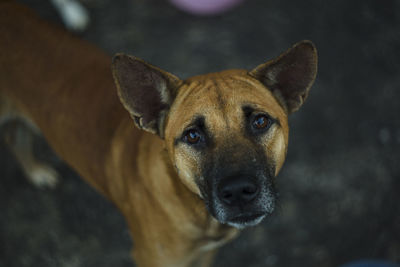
(145,91)
(291,75)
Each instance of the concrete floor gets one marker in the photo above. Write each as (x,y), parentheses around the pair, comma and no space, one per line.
(339,189)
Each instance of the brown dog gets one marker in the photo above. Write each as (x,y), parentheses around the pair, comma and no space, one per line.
(212,145)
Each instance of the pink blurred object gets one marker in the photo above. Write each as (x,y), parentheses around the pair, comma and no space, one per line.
(205,7)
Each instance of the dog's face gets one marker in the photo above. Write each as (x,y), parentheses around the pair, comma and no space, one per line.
(227,137)
(226,133)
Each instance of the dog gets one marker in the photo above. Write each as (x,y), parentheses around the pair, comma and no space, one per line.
(202,161)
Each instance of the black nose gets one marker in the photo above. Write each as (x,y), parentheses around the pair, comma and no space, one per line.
(237,191)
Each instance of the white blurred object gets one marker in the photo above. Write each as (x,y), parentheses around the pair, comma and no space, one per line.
(73,14)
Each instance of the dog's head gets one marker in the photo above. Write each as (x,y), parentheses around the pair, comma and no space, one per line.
(226,133)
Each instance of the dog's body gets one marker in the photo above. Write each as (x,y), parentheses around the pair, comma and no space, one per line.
(223,136)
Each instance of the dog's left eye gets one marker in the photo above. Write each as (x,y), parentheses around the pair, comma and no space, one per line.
(261,122)
(192,137)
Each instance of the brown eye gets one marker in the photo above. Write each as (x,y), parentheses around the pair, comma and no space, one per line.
(192,137)
(261,121)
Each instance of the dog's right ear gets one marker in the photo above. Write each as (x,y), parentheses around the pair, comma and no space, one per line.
(145,91)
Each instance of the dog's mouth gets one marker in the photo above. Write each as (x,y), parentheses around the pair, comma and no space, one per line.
(246,219)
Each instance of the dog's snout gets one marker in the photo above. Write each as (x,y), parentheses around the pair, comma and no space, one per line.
(237,191)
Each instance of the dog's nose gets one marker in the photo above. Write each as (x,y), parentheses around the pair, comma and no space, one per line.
(237,191)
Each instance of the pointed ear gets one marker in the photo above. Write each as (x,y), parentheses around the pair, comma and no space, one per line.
(290,75)
(145,91)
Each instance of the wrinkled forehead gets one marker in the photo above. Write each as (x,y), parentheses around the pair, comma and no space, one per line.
(220,99)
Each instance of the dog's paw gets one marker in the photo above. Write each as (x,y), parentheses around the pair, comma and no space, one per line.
(73,14)
(43,176)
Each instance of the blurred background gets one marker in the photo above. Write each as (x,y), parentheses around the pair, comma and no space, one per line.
(340,186)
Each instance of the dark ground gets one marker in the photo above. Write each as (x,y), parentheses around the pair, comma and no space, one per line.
(340,185)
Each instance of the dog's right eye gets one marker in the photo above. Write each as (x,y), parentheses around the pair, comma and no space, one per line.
(192,137)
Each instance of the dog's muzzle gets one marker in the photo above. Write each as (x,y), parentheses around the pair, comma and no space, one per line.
(240,201)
